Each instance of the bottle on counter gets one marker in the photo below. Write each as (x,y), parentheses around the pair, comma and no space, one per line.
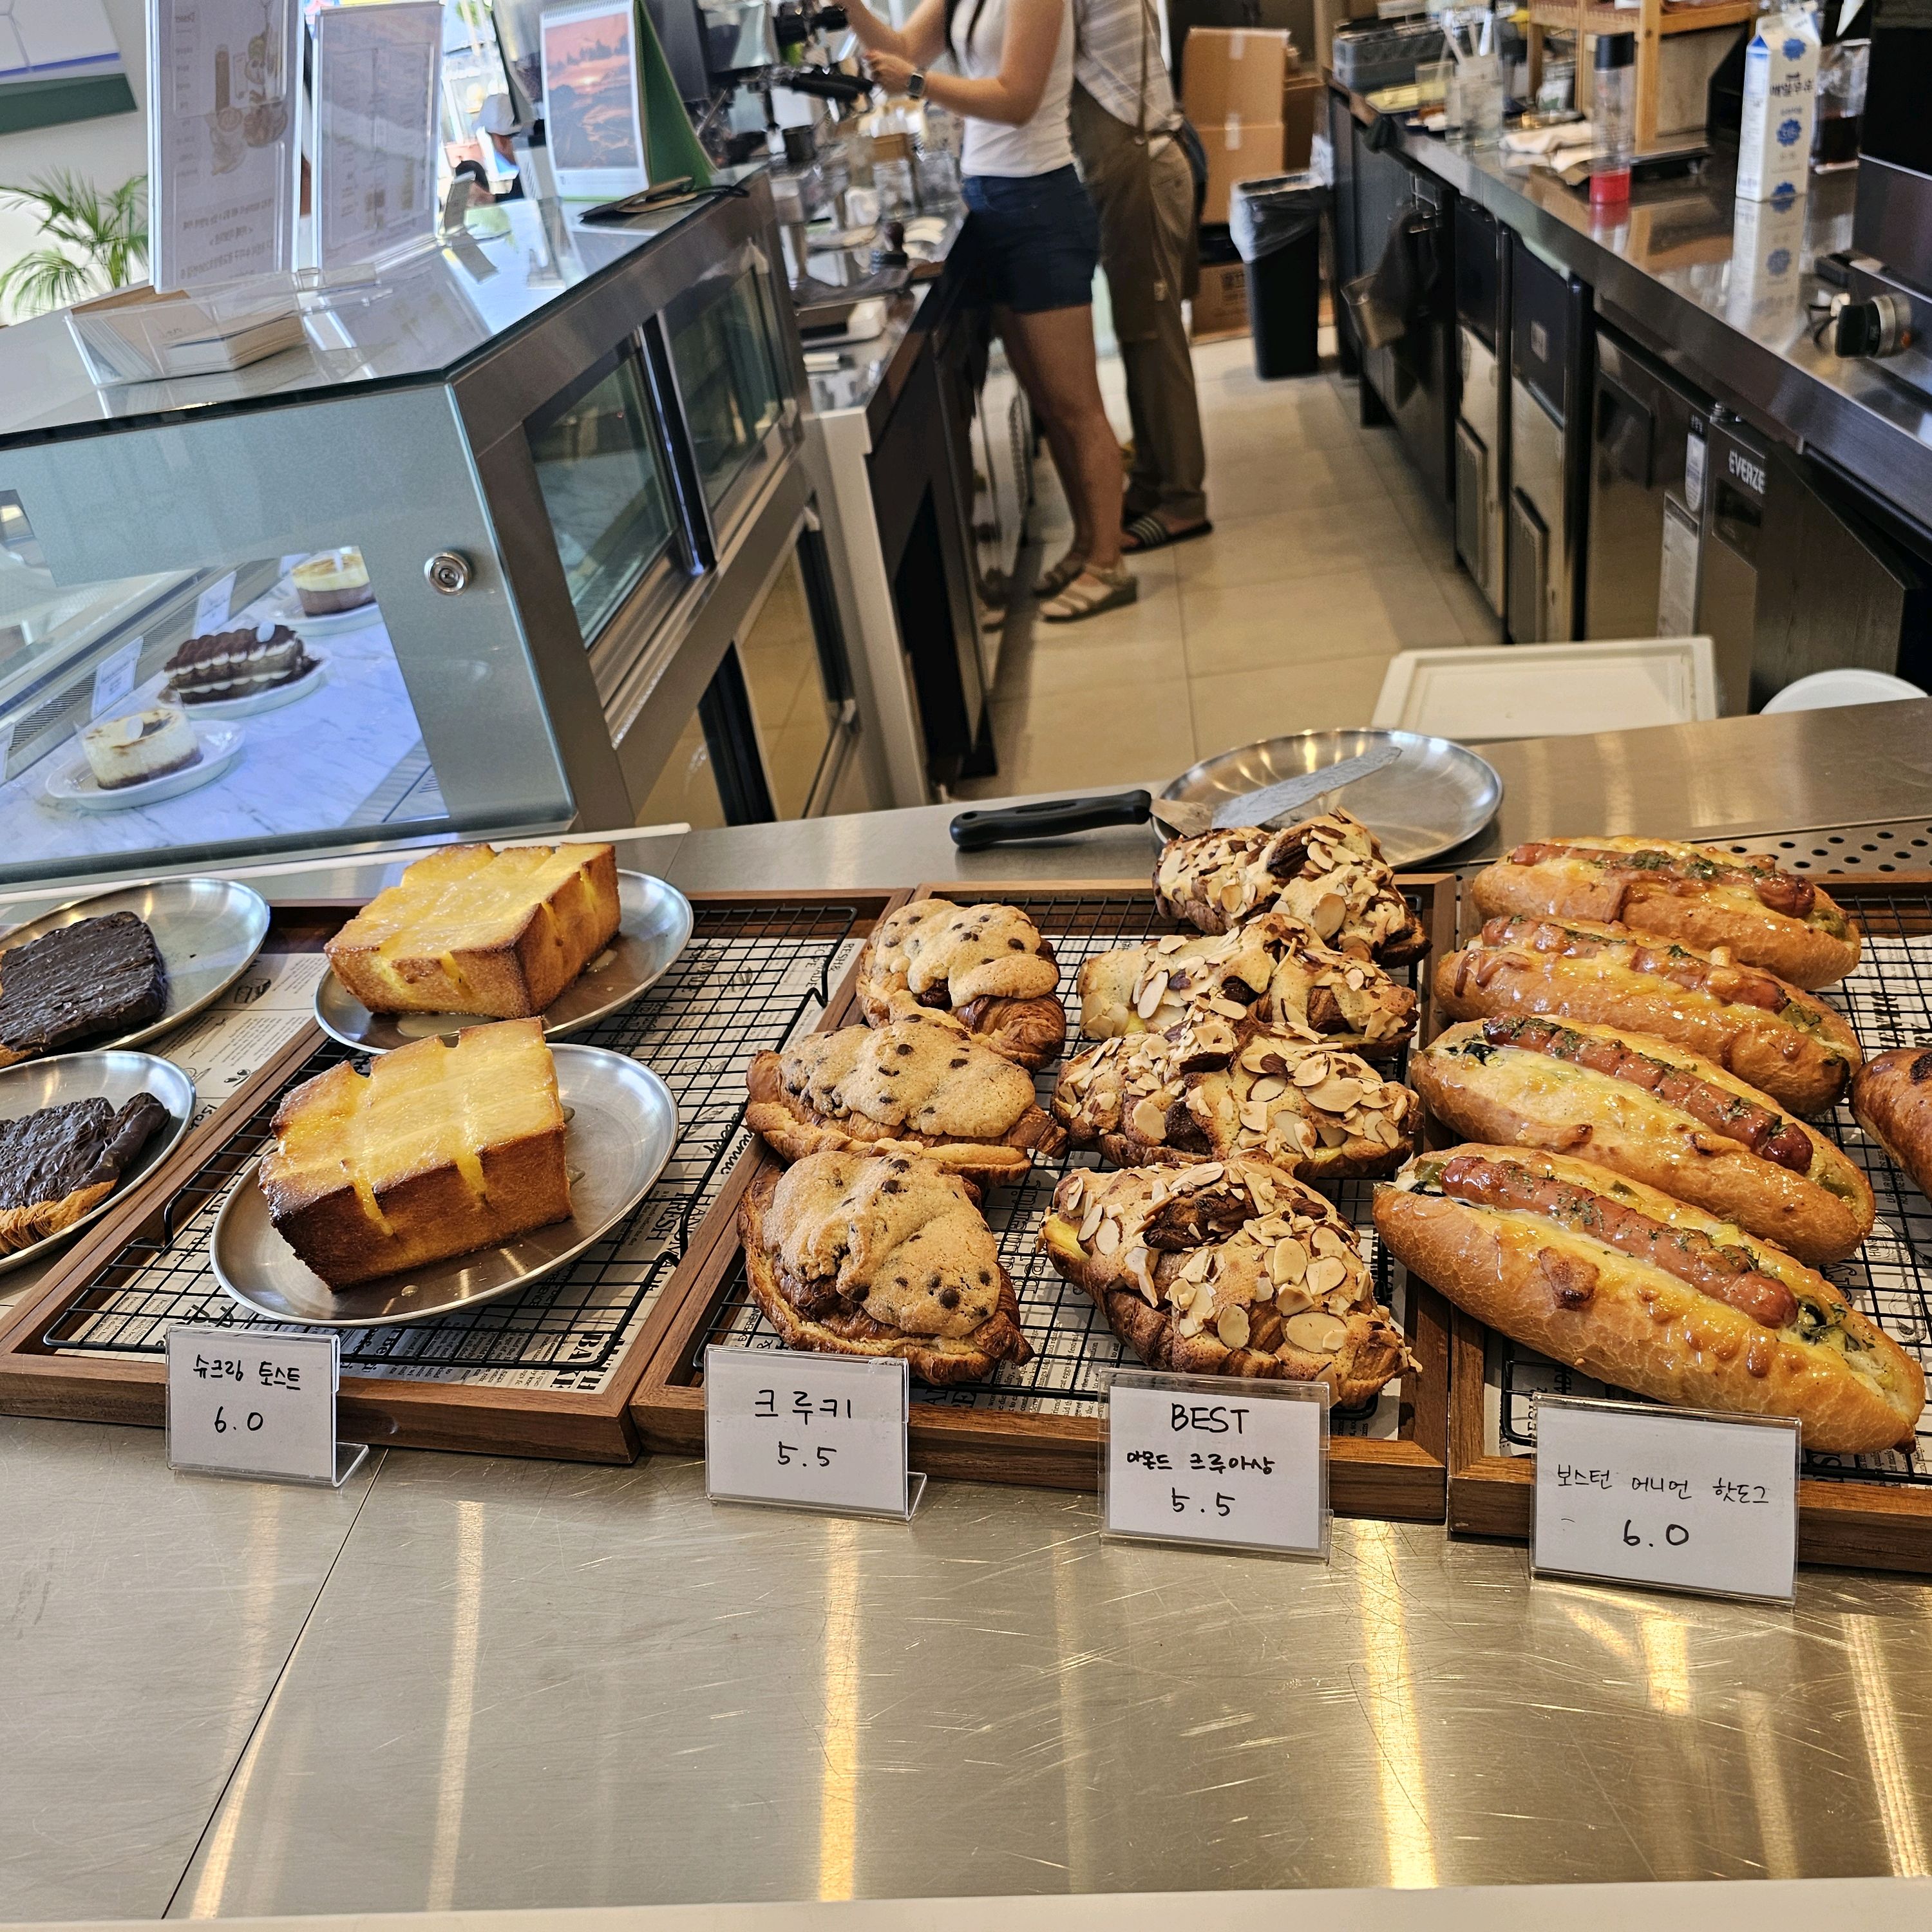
(1780,97)
(1613,115)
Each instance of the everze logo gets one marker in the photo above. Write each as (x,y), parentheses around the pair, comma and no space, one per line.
(1750,474)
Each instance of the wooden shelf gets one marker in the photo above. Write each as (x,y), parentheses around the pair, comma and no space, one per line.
(1570,16)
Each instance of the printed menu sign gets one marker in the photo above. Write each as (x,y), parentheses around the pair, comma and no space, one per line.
(1679,1499)
(376,79)
(1194,1458)
(223,86)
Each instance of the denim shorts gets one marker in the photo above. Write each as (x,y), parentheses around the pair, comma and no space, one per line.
(1033,241)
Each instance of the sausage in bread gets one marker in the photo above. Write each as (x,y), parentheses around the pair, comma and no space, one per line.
(1647,1293)
(1892,1098)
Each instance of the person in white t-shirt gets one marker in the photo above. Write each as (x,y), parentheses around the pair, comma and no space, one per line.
(1032,242)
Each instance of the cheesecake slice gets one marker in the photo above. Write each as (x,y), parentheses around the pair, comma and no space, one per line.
(471,930)
(440,1148)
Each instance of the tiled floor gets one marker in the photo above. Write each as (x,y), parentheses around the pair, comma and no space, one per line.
(1326,559)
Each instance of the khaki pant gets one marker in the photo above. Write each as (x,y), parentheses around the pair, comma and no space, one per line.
(1144,196)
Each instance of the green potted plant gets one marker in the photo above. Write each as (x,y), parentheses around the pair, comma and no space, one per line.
(96,242)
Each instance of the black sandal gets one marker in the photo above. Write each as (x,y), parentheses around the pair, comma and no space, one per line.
(1149,532)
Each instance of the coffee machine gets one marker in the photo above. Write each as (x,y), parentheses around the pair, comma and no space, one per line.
(1890,313)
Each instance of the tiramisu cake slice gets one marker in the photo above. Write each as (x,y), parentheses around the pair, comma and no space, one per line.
(226,665)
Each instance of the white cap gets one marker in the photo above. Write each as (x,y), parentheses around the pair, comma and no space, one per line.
(498,116)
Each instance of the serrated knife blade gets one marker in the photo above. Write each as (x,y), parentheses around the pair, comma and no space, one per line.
(1275,801)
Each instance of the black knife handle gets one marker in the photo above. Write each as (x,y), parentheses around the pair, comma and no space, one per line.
(1051,818)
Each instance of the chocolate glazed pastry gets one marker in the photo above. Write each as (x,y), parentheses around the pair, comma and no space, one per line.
(57,1163)
(99,976)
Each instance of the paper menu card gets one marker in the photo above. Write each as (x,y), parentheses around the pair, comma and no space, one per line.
(223,85)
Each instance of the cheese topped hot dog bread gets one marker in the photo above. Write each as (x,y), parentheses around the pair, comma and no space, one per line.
(1648,1294)
(1892,1098)
(1653,1112)
(1327,873)
(1782,1042)
(1761,915)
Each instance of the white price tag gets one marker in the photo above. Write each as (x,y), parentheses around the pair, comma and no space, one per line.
(1680,1499)
(1197,1459)
(212,606)
(114,677)
(1693,473)
(240,1404)
(815,1431)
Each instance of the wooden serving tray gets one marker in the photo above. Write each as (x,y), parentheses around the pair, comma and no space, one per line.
(1870,1512)
(1042,1423)
(549,1372)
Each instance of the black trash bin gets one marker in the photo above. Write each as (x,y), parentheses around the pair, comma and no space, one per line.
(1276,224)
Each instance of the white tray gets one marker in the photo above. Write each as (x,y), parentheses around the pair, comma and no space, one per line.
(75,784)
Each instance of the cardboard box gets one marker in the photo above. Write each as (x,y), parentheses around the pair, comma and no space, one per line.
(1238,151)
(1220,306)
(1233,73)
(1302,107)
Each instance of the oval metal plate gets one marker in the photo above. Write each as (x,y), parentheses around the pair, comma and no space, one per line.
(208,931)
(1435,796)
(654,927)
(623,1127)
(115,1077)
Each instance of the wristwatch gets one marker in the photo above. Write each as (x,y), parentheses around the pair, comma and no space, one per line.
(916,84)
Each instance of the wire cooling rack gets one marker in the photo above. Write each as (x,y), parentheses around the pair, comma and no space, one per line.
(1889,1001)
(1074,1348)
(751,976)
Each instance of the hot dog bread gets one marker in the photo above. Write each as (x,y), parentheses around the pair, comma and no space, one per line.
(1782,1042)
(1647,1293)
(1765,916)
(1327,873)
(1892,1098)
(1654,1113)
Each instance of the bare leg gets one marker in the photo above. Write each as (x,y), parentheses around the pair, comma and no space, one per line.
(1052,353)
(1065,462)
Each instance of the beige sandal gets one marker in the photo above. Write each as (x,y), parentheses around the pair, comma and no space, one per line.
(1051,581)
(1089,593)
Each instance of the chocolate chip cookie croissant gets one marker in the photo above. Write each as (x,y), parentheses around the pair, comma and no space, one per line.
(883,1255)
(1327,873)
(987,965)
(922,1083)
(1230,1267)
(1209,1088)
(1269,969)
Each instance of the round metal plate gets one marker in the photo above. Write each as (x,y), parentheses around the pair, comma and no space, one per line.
(655,926)
(1435,796)
(116,1077)
(623,1125)
(208,931)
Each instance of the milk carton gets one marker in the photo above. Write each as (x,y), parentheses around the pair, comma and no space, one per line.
(1781,96)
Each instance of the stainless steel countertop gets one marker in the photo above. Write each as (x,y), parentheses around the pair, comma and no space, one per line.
(1678,259)
(471,1682)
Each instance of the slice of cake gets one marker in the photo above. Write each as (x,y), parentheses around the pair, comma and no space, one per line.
(58,1162)
(97,977)
(440,1148)
(333,580)
(224,665)
(144,745)
(471,930)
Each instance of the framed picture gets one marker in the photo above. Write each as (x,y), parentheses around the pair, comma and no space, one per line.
(591,113)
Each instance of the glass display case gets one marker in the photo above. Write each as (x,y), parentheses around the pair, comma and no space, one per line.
(464,562)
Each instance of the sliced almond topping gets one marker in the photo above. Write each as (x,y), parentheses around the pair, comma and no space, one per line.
(1316,1330)
(1139,1265)
(1090,1221)
(1231,1326)
(1288,1262)
(1325,1275)
(1291,1300)
(1255,1117)
(1231,897)
(1327,1240)
(1231,1010)
(1150,1119)
(1326,914)
(1261,1190)
(1331,1133)
(1195,1268)
(1107,1236)
(1172,943)
(1311,1069)
(1255,1055)
(1337,1096)
(1355,979)
(1268,1088)
(1157,1194)
(1151,994)
(1071,1191)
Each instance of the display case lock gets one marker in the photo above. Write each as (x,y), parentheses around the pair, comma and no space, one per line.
(449,571)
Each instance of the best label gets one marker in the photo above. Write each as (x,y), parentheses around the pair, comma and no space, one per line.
(1189,1459)
(1679,1499)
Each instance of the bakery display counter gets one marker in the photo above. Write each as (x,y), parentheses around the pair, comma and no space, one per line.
(243,1677)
